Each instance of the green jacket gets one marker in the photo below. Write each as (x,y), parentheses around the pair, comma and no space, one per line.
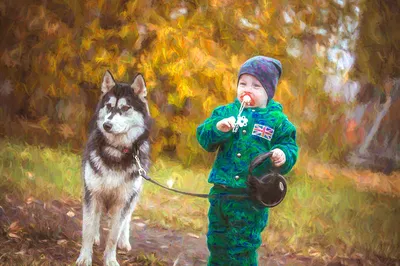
(267,128)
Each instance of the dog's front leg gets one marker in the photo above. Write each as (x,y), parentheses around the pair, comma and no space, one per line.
(123,241)
(90,229)
(110,258)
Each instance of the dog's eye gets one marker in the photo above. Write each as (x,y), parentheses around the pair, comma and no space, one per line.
(108,105)
(125,108)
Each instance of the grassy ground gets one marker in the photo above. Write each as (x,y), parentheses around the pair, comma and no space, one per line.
(319,216)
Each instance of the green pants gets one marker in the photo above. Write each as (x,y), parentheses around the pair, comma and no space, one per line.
(234,229)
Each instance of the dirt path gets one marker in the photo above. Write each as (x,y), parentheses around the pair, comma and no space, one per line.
(33,232)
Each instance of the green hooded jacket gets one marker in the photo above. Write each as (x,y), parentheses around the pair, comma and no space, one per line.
(267,128)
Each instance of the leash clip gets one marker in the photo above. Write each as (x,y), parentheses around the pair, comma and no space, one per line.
(142,172)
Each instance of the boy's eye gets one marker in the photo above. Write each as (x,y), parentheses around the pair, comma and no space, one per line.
(125,108)
(242,84)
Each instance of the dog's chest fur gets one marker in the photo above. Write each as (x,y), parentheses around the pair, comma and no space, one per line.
(111,176)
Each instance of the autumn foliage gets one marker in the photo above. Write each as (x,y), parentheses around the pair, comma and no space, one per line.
(54,55)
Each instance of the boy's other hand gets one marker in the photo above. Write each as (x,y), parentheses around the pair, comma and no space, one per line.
(226,124)
(278,157)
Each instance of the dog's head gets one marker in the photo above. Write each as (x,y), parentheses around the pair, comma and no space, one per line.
(123,109)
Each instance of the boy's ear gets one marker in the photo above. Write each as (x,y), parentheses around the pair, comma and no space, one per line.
(139,87)
(108,82)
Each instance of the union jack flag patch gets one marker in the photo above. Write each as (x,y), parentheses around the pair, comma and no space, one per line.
(262,131)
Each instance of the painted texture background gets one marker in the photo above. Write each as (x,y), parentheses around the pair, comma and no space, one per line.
(340,87)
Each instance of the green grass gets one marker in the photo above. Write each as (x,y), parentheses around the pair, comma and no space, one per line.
(317,214)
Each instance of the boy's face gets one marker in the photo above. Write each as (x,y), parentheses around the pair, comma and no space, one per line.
(248,84)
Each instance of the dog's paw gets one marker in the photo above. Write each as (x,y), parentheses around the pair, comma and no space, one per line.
(84,260)
(124,244)
(110,261)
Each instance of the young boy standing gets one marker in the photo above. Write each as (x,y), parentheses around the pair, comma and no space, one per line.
(235,225)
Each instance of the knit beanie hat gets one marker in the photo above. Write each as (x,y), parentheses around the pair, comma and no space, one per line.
(267,70)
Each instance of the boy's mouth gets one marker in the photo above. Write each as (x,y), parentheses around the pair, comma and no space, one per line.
(247,98)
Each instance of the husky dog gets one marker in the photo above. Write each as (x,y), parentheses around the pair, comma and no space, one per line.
(111,179)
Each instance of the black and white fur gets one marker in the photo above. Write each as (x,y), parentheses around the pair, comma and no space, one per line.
(111,180)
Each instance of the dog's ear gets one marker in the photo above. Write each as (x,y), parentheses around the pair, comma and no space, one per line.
(108,82)
(139,87)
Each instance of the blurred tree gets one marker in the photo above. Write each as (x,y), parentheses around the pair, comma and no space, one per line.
(378,69)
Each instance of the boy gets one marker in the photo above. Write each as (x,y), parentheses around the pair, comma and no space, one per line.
(235,225)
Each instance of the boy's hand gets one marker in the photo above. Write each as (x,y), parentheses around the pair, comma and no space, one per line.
(226,124)
(278,157)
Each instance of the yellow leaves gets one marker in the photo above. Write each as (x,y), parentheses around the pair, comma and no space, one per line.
(229,85)
(198,57)
(164,53)
(44,123)
(51,62)
(174,99)
(283,92)
(209,46)
(121,70)
(86,43)
(162,121)
(209,104)
(125,31)
(103,57)
(184,90)
(176,70)
(51,90)
(154,112)
(235,62)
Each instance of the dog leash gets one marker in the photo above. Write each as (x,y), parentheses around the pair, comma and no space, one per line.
(143,173)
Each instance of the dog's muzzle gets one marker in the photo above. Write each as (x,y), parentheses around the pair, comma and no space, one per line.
(107,127)
(268,189)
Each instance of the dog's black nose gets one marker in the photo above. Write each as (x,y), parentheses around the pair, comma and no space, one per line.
(107,126)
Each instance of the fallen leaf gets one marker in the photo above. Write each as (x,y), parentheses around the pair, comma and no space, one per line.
(193,235)
(313,252)
(71,214)
(30,175)
(8,199)
(61,241)
(21,252)
(357,256)
(140,224)
(30,200)
(14,227)
(12,235)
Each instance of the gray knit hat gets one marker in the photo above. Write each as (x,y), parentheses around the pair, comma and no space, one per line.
(267,70)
